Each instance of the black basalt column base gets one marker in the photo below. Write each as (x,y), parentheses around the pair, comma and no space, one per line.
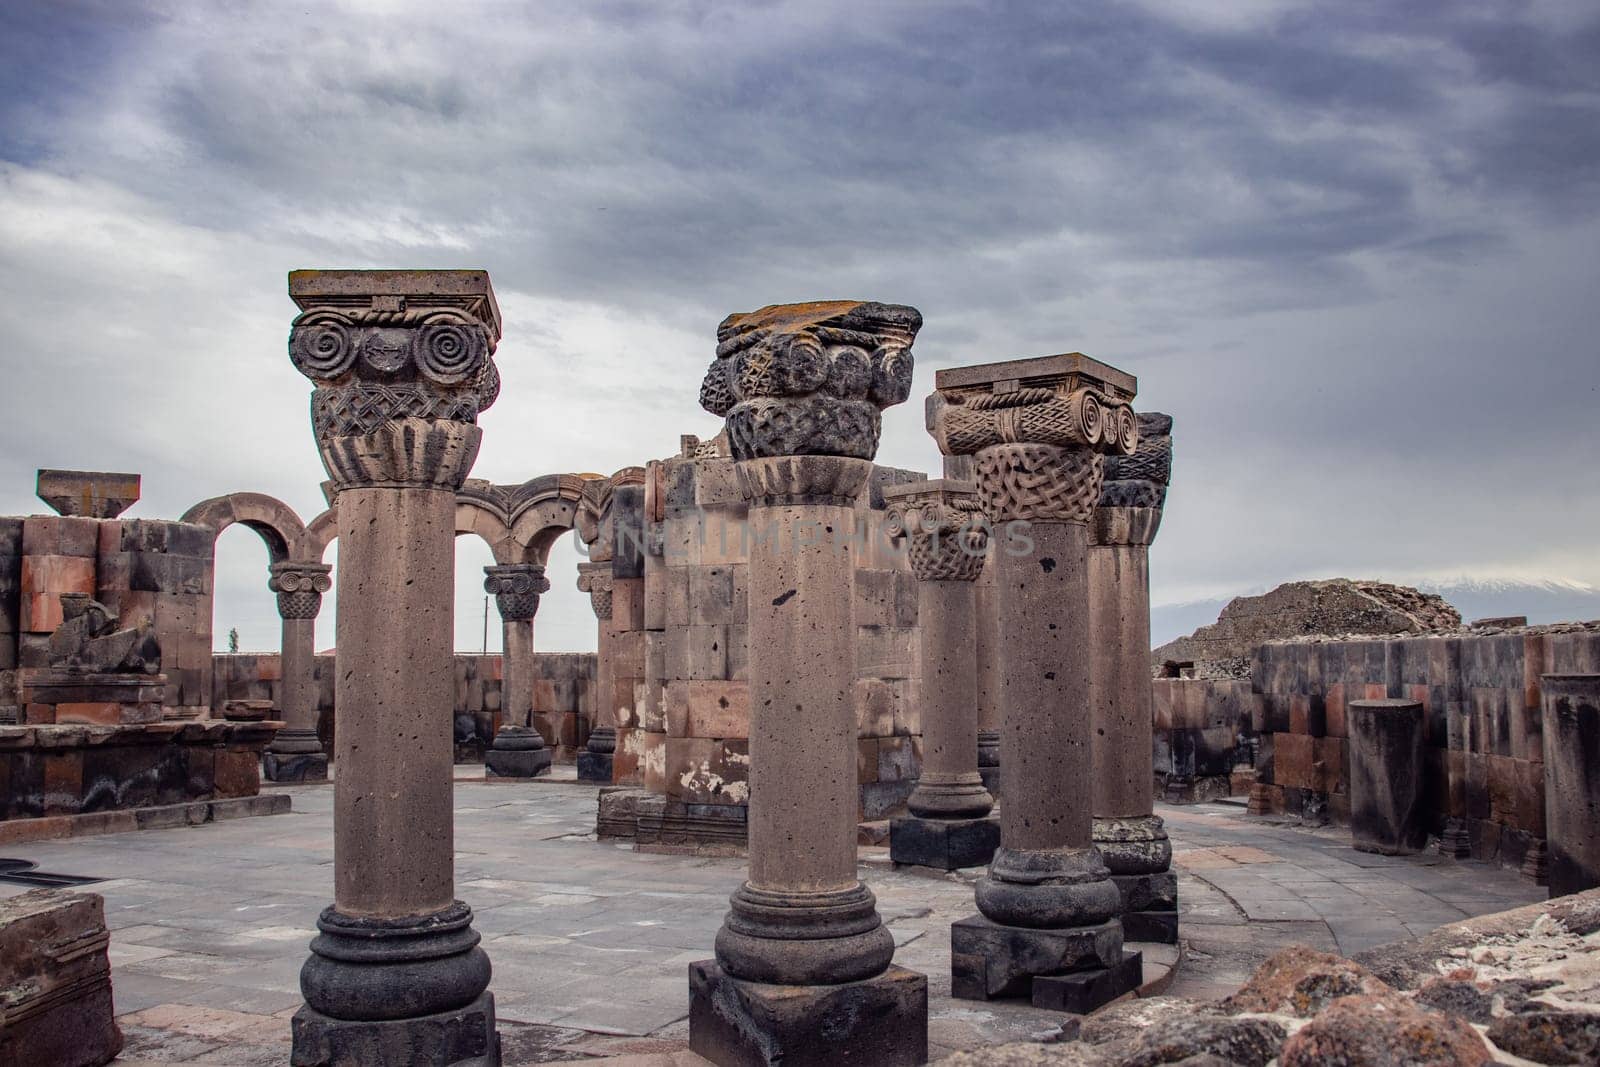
(464,1037)
(1084,991)
(517,752)
(990,961)
(945,844)
(875,1021)
(1149,906)
(595,761)
(294,767)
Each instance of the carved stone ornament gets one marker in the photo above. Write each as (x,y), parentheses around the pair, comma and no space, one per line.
(1140,480)
(88,640)
(300,587)
(943,525)
(596,580)
(1036,429)
(516,588)
(388,350)
(810,379)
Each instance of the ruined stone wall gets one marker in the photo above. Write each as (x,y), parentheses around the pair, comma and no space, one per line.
(563,695)
(1202,731)
(1482,723)
(142,569)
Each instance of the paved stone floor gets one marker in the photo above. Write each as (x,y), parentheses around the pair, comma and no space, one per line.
(590,940)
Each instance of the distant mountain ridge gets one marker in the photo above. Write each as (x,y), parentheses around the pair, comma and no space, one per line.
(1541,600)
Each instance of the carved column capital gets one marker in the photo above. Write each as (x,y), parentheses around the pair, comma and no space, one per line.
(1036,429)
(300,586)
(810,379)
(1135,489)
(403,363)
(943,525)
(595,579)
(516,588)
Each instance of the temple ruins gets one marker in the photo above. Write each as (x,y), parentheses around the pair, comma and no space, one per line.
(854,696)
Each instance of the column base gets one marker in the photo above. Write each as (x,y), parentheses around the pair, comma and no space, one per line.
(517,752)
(989,961)
(1454,841)
(1083,992)
(465,1037)
(991,781)
(1149,906)
(946,844)
(595,767)
(294,767)
(880,1020)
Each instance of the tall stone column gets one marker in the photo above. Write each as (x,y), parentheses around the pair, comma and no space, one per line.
(596,763)
(803,971)
(947,538)
(296,755)
(1036,429)
(1130,836)
(518,750)
(402,364)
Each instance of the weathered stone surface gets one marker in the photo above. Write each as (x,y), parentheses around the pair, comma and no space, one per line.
(55,983)
(464,1037)
(880,1020)
(988,960)
(1572,781)
(1387,798)
(1084,991)
(1383,1030)
(945,844)
(89,639)
(1549,1036)
(1301,981)
(92,494)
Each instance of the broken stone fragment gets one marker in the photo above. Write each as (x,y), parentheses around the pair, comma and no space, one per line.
(1384,1030)
(1301,981)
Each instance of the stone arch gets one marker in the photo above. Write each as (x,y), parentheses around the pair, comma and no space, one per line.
(545,508)
(320,533)
(276,522)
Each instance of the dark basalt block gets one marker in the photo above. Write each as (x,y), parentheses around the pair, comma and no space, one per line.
(465,1037)
(595,767)
(1156,926)
(1148,892)
(877,1021)
(518,763)
(1085,991)
(988,960)
(946,844)
(298,767)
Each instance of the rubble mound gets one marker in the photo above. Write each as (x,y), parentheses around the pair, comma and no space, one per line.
(1299,609)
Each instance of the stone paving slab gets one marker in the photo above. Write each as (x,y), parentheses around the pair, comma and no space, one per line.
(591,941)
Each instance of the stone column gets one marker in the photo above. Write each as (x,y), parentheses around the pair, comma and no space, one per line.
(402,365)
(947,538)
(1572,780)
(803,962)
(597,762)
(296,755)
(1037,429)
(1131,837)
(518,750)
(1387,794)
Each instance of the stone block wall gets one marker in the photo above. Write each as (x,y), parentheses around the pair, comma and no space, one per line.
(1202,733)
(563,696)
(1481,705)
(139,568)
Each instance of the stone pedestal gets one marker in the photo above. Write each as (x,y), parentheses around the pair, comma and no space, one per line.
(518,750)
(597,762)
(946,538)
(1036,429)
(68,696)
(1387,801)
(1572,780)
(402,365)
(1130,836)
(296,754)
(802,970)
(55,981)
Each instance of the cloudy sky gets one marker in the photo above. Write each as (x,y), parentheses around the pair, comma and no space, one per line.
(1353,247)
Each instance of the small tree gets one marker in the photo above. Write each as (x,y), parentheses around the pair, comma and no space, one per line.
(233,639)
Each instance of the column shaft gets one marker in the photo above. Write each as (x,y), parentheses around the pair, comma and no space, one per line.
(803,792)
(393,820)
(949,689)
(1123,704)
(1043,601)
(516,686)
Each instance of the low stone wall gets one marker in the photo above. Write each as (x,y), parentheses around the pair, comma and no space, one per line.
(1484,760)
(563,696)
(1202,735)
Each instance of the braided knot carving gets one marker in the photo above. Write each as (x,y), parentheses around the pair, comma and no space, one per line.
(1038,483)
(943,526)
(595,578)
(299,587)
(516,588)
